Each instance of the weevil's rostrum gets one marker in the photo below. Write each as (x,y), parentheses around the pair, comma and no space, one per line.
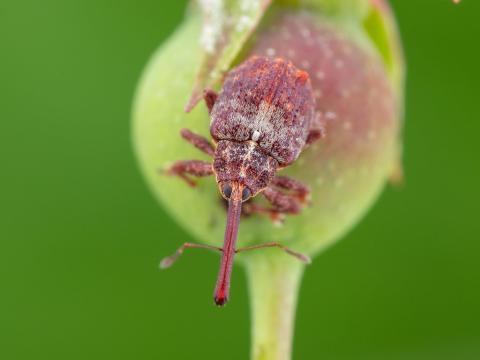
(261,121)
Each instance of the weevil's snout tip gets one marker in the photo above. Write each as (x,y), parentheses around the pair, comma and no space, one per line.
(220,297)
(220,300)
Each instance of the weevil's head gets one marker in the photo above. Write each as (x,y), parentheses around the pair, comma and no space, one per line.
(242,169)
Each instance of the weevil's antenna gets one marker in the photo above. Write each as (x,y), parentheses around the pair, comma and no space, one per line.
(170,260)
(302,257)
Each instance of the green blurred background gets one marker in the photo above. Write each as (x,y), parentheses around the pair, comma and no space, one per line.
(81,237)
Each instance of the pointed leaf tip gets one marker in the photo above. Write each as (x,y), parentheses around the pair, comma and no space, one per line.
(227,24)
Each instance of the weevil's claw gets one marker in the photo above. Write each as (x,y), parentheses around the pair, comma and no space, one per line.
(171,172)
(304,199)
(302,257)
(277,218)
(189,181)
(167,262)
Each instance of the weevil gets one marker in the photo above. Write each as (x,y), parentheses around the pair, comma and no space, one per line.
(262,119)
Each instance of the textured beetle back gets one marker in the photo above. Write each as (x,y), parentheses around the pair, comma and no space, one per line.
(268,101)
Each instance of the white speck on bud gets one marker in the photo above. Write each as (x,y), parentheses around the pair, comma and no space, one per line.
(243,23)
(271,52)
(305,64)
(214,17)
(320,75)
(330,115)
(247,8)
(249,5)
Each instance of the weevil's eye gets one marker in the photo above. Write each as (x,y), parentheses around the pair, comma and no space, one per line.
(227,191)
(246,194)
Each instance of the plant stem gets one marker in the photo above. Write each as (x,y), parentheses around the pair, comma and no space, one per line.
(274,279)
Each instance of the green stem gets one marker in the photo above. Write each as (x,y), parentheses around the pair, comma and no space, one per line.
(274,279)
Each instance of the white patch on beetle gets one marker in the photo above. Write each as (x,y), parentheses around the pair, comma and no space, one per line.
(266,120)
(247,158)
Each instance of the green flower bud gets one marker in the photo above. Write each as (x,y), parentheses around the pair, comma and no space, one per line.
(351,51)
(356,74)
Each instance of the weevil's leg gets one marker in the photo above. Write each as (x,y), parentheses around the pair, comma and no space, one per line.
(295,187)
(299,256)
(169,260)
(190,167)
(317,129)
(314,135)
(210,96)
(282,203)
(198,141)
(252,208)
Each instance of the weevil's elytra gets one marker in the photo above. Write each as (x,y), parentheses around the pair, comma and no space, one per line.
(261,121)
(267,101)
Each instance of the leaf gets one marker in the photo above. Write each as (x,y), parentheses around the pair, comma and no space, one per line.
(227,24)
(332,8)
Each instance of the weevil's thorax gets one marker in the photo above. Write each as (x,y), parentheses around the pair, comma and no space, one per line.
(269,102)
(245,163)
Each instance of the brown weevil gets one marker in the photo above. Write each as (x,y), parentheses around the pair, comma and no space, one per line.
(261,120)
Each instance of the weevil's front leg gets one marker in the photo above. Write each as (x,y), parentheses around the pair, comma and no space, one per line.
(190,167)
(282,203)
(317,129)
(198,141)
(252,208)
(299,256)
(295,187)
(210,98)
(314,135)
(169,260)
